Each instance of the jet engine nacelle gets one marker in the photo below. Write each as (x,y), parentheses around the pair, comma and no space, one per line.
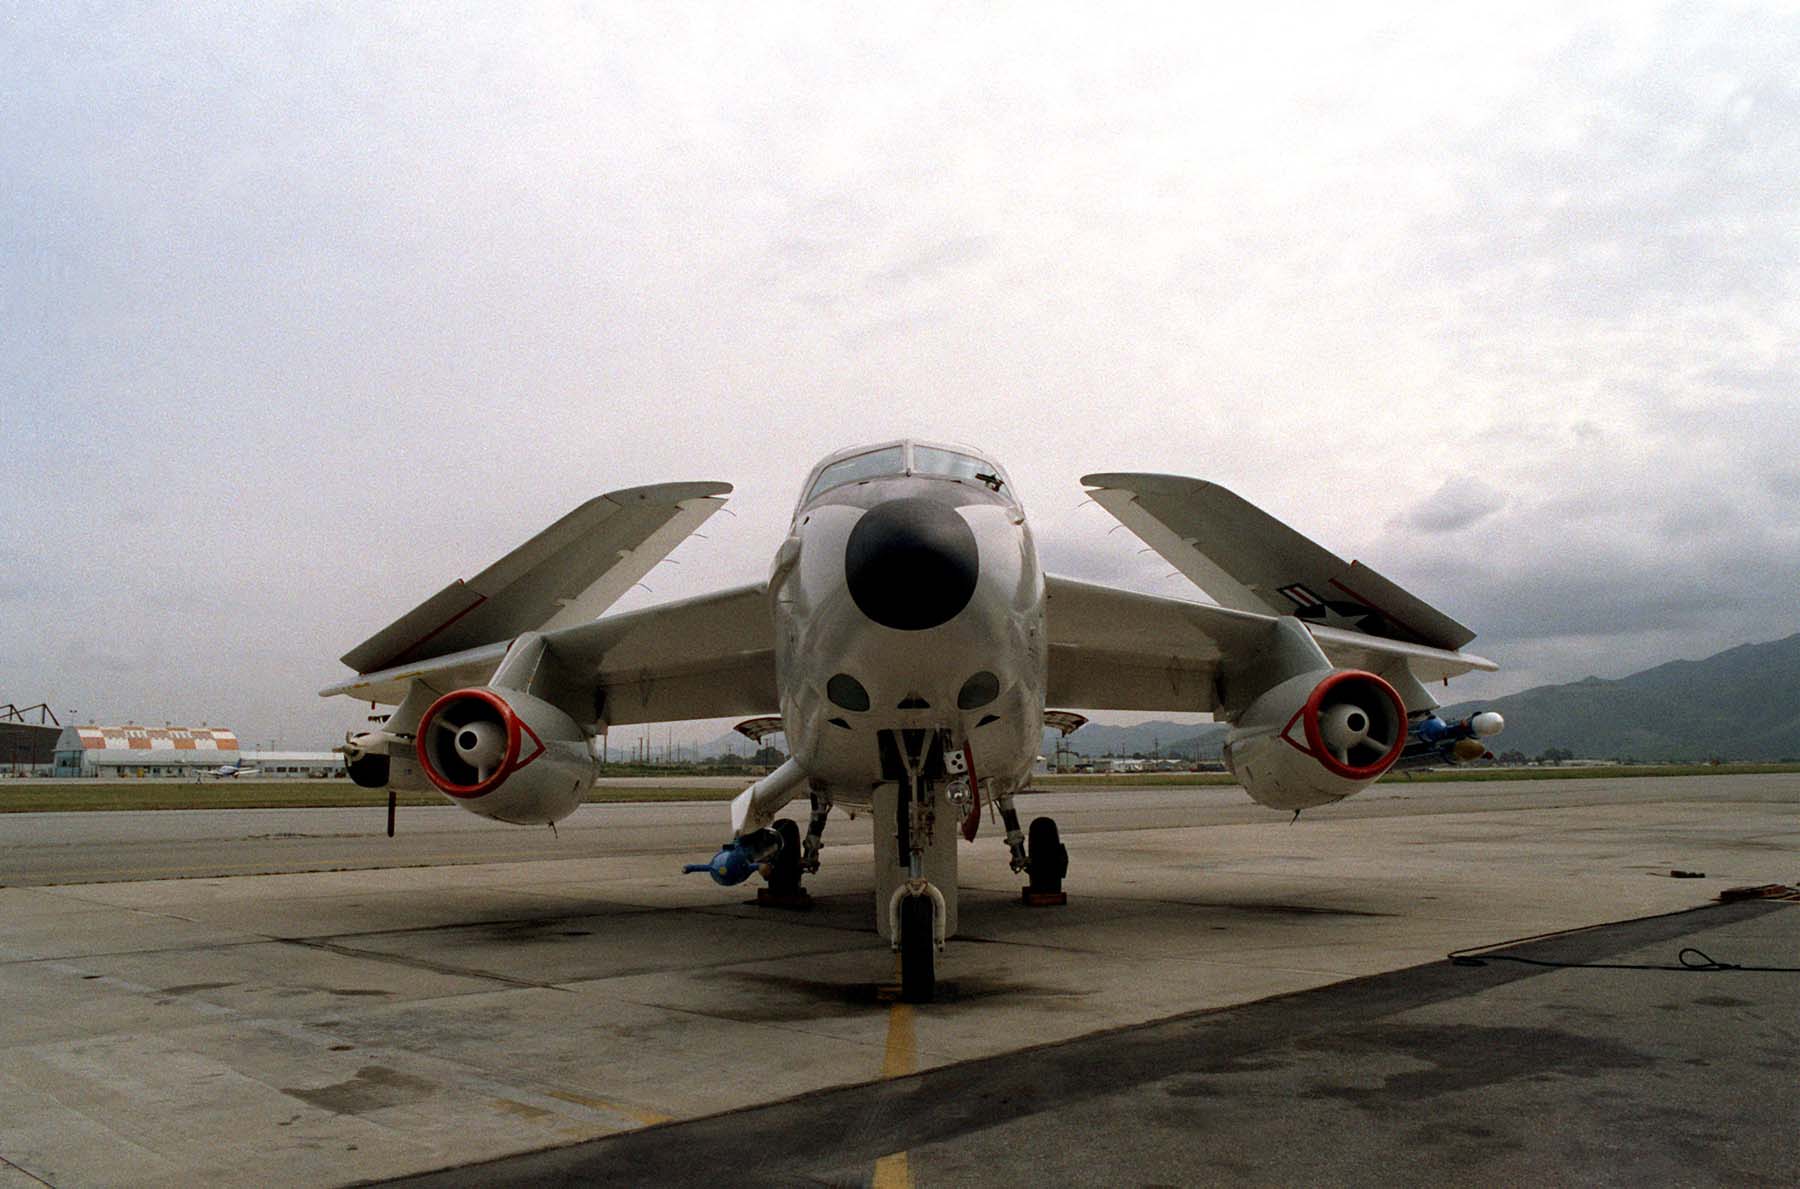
(1317,738)
(506,755)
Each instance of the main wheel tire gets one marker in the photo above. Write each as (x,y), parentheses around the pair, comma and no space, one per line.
(784,871)
(368,771)
(1049,857)
(918,952)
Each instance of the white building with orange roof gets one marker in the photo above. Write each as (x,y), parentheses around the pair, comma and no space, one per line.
(132,752)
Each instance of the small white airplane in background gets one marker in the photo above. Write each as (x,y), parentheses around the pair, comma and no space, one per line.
(232,770)
(908,645)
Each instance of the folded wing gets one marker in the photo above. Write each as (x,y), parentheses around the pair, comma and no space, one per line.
(563,576)
(1249,561)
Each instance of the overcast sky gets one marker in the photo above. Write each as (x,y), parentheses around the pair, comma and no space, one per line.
(305,312)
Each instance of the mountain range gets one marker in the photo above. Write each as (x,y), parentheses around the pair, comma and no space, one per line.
(1740,704)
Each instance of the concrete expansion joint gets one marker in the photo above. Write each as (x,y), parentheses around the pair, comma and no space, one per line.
(727,962)
(448,926)
(200,947)
(23,1171)
(444,968)
(733,912)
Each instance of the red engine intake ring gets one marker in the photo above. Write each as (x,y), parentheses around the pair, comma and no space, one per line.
(508,765)
(1315,743)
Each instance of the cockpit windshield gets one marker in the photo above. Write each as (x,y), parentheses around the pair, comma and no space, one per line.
(890,460)
(929,460)
(907,458)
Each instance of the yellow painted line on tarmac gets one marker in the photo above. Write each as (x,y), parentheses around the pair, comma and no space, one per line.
(647,1118)
(902,1054)
(891,1173)
(524,1110)
(899,1058)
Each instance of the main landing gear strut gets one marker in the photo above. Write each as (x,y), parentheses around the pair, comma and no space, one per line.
(783,872)
(797,858)
(773,848)
(1049,863)
(1040,855)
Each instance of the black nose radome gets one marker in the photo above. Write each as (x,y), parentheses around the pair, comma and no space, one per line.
(911,564)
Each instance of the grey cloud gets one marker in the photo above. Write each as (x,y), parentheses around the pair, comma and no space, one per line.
(1462,502)
(1695,513)
(930,262)
(1573,597)
(122,657)
(1779,383)
(1543,584)
(1090,545)
(821,232)
(1784,484)
(1674,187)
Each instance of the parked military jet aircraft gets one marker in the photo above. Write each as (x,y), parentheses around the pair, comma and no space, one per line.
(910,645)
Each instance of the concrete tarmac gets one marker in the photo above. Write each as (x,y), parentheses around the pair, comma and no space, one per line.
(1599,1059)
(325,1026)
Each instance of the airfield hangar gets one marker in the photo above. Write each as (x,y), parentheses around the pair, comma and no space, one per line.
(101,753)
(26,747)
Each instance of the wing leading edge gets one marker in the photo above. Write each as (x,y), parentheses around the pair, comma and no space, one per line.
(1114,649)
(705,657)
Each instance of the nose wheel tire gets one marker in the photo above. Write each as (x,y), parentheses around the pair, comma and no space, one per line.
(918,953)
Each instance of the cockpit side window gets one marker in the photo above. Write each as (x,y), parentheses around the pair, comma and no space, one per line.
(929,460)
(888,461)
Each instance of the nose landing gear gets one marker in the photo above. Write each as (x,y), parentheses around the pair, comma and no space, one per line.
(917,914)
(919,937)
(918,974)
(915,858)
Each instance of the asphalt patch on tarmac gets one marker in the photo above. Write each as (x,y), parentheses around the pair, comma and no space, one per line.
(374,1087)
(1403,1077)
